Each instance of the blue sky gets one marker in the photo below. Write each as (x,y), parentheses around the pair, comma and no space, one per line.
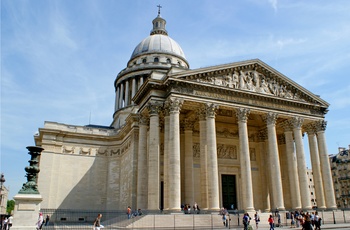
(59,58)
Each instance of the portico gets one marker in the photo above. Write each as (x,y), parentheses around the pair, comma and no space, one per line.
(223,133)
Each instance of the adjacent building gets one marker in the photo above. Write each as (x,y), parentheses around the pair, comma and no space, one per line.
(340,166)
(226,135)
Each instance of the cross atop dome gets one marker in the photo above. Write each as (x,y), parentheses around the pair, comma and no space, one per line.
(159,6)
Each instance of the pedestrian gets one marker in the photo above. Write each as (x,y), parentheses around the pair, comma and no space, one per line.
(9,222)
(271,223)
(40,222)
(292,222)
(245,221)
(4,223)
(128,212)
(97,222)
(47,220)
(257,220)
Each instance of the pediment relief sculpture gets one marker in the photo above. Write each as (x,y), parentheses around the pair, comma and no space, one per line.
(252,80)
(256,79)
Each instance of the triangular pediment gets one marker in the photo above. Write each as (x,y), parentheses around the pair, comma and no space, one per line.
(253,76)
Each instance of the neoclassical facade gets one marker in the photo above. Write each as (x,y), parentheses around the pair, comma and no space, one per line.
(227,135)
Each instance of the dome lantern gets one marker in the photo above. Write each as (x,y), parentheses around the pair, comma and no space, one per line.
(159,24)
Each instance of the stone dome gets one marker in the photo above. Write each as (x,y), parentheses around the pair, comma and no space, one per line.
(158,43)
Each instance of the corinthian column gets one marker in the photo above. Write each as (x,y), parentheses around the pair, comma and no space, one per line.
(274,161)
(213,174)
(264,172)
(292,166)
(142,164)
(189,189)
(166,156)
(247,187)
(203,158)
(303,178)
(316,167)
(174,176)
(153,157)
(325,167)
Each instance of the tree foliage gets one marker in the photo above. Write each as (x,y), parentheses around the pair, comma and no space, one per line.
(10,206)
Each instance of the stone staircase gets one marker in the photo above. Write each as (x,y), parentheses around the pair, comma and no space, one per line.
(172,221)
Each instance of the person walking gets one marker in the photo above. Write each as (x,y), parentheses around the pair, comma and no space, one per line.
(271,223)
(257,220)
(47,220)
(128,212)
(9,222)
(40,222)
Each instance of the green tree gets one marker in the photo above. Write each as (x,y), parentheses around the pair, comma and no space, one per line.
(10,206)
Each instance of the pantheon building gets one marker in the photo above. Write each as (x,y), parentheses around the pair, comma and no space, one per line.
(227,135)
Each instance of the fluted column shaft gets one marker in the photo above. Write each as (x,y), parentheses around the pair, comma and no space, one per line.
(212,163)
(325,167)
(166,158)
(142,165)
(116,105)
(316,170)
(189,181)
(303,178)
(121,95)
(246,176)
(275,162)
(292,168)
(174,169)
(127,95)
(153,158)
(203,158)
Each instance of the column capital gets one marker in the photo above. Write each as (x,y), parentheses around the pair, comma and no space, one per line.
(271,118)
(211,109)
(242,114)
(310,128)
(201,113)
(143,120)
(287,126)
(154,108)
(297,122)
(321,125)
(173,104)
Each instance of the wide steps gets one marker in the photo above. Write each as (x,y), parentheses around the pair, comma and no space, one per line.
(164,221)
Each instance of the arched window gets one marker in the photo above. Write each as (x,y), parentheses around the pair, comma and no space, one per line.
(156,59)
(168,60)
(144,60)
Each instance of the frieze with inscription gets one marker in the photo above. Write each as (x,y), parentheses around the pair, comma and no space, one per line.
(249,101)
